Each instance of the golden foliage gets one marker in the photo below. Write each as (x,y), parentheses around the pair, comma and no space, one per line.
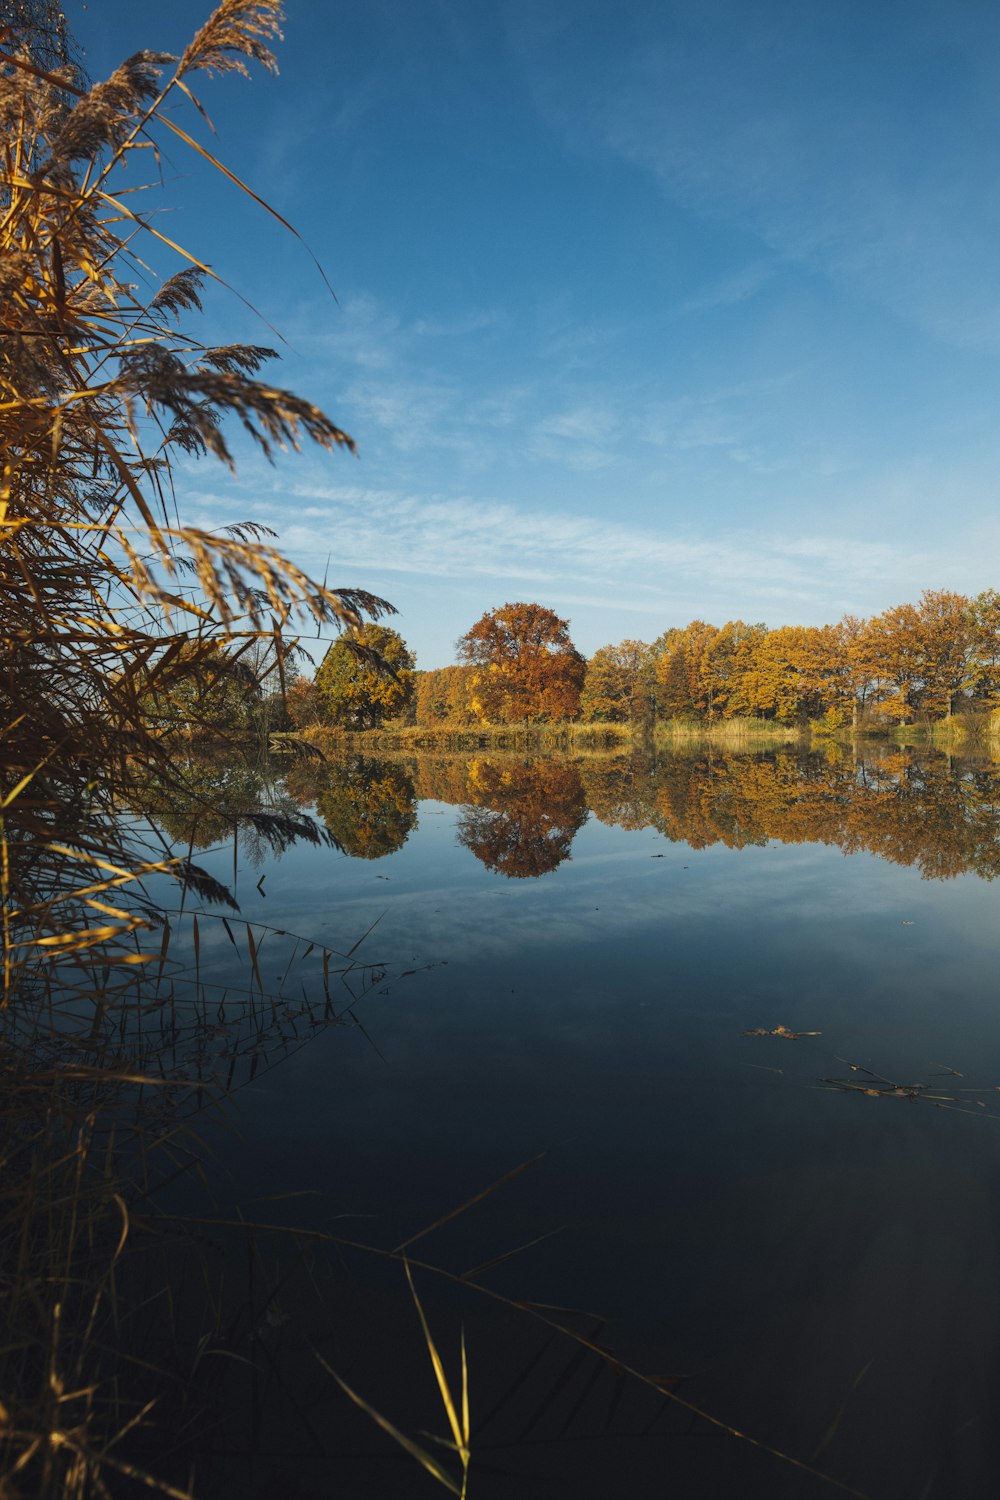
(525,667)
(107,601)
(366,678)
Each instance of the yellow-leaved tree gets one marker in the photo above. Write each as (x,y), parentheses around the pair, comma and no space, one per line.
(367,679)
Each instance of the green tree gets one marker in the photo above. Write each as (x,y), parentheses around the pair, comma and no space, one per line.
(205,688)
(366,678)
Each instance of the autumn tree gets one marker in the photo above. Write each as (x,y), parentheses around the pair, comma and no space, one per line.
(922,657)
(723,659)
(683,691)
(525,667)
(304,704)
(860,665)
(673,676)
(898,647)
(366,678)
(617,790)
(788,674)
(616,687)
(442,696)
(816,655)
(459,681)
(985,610)
(948,647)
(431,697)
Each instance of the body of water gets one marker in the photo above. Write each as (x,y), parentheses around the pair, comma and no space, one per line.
(742,1010)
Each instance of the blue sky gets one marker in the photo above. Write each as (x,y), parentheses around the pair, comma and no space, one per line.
(647,312)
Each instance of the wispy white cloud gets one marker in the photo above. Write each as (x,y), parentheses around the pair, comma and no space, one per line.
(582,437)
(731,289)
(424,389)
(457,327)
(573,559)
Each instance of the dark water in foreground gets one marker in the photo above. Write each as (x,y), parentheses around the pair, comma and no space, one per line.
(798,1236)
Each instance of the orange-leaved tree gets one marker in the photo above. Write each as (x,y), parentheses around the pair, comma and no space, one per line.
(948,640)
(526,666)
(986,634)
(725,656)
(789,674)
(442,696)
(521,819)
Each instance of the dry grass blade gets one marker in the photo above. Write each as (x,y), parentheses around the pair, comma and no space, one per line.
(425,1459)
(469,1203)
(459,1425)
(831,1431)
(459,1429)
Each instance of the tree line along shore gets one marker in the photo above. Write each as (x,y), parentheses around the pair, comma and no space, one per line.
(519,671)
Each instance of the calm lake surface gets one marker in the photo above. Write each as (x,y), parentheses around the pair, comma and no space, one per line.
(799,1236)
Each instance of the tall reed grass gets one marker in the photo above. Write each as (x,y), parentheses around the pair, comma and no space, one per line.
(533,738)
(733,733)
(110,603)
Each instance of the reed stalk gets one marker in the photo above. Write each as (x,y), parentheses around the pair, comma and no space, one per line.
(109,607)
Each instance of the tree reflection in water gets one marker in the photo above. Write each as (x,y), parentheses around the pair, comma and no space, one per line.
(523,817)
(920,810)
(369,806)
(215,796)
(938,813)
